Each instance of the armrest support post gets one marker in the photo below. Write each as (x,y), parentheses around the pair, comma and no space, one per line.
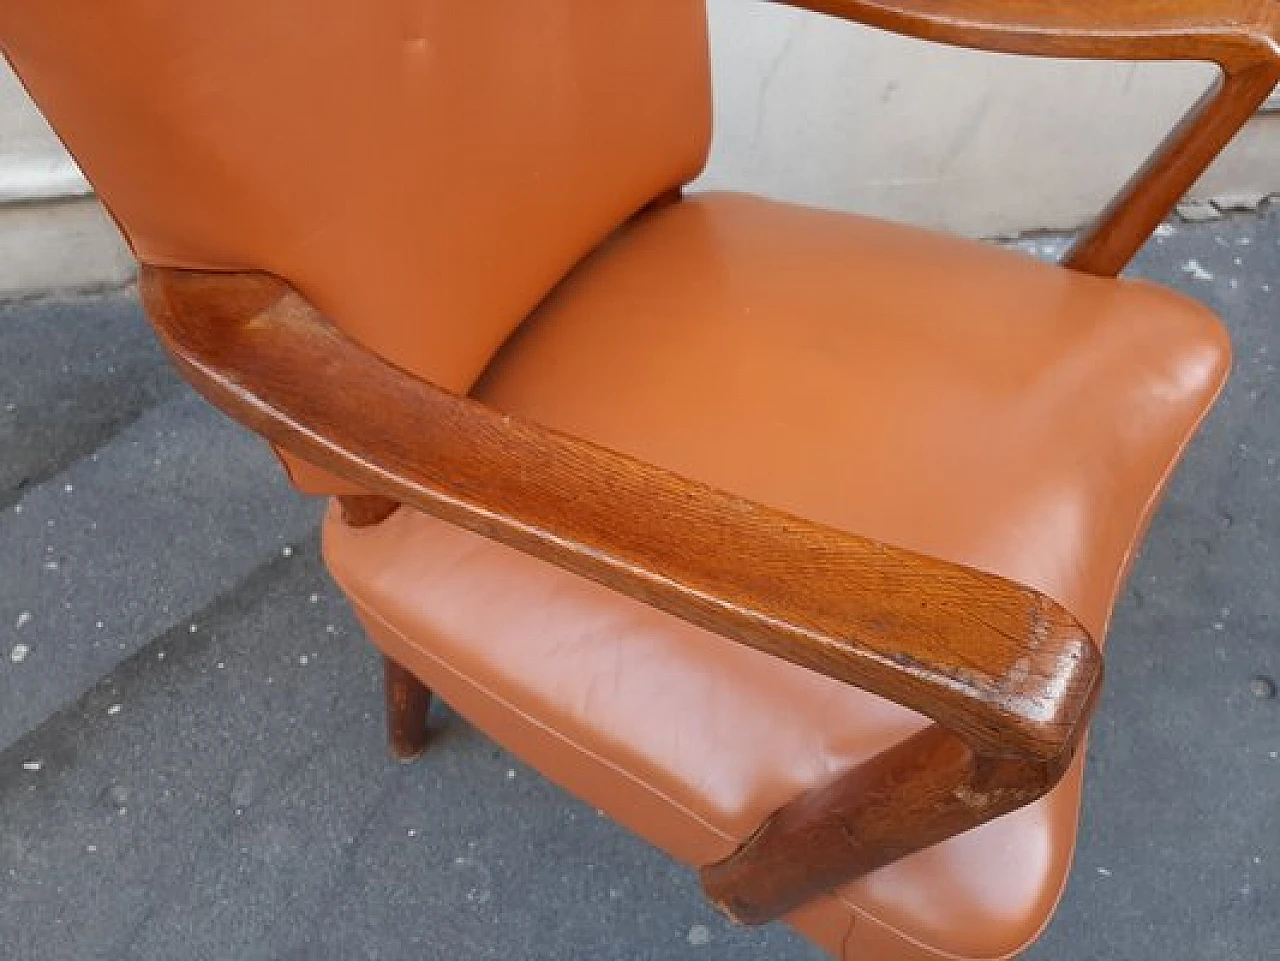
(1107,246)
(921,791)
(1241,36)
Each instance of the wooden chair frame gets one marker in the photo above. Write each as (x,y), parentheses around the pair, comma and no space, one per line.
(1008,676)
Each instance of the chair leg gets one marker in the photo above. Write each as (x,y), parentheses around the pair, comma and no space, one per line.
(366,510)
(408,700)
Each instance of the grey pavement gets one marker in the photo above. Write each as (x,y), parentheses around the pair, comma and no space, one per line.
(203,775)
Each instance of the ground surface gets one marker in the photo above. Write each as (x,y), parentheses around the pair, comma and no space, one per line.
(191,760)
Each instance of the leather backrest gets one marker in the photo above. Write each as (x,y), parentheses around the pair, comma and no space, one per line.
(423,170)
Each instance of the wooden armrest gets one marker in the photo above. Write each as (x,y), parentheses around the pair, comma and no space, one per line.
(1241,36)
(1235,34)
(1007,673)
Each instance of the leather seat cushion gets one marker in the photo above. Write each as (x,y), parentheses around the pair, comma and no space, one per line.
(932,392)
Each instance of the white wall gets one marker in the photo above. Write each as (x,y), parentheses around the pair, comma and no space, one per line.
(836,114)
(53,234)
(809,109)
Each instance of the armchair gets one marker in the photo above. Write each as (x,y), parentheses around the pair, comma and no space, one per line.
(788,538)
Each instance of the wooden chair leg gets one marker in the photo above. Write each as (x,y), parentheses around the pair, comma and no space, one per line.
(408,700)
(366,510)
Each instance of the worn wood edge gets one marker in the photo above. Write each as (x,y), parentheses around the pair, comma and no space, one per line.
(1005,667)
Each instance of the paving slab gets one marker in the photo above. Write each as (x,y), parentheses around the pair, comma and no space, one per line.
(73,372)
(130,502)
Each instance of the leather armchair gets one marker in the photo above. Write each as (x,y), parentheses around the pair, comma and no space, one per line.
(788,538)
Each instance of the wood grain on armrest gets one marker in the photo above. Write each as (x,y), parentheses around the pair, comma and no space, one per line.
(1008,674)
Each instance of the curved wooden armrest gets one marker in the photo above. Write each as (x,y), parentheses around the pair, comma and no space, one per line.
(1235,34)
(1006,672)
(1241,36)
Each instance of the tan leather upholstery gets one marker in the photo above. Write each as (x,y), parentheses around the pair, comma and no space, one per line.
(935,393)
(425,171)
(422,170)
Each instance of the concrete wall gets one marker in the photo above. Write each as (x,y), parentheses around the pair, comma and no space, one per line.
(830,113)
(53,234)
(809,109)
